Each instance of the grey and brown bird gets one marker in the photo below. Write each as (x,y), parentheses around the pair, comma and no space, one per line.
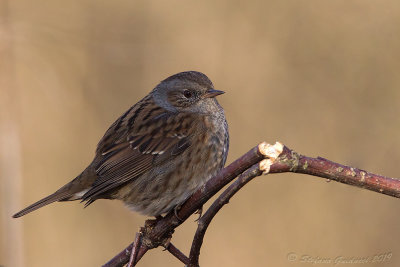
(158,153)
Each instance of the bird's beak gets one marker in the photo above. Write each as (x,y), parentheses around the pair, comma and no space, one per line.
(213,93)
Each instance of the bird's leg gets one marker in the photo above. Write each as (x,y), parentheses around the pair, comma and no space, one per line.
(135,249)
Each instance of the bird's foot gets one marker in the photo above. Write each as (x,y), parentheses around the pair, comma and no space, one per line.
(176,209)
(200,212)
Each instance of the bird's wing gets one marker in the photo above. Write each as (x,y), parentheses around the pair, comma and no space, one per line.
(135,152)
(125,124)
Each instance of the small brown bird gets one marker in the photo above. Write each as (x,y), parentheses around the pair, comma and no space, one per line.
(157,153)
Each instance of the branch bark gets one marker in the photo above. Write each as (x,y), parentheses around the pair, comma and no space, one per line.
(263,158)
(177,253)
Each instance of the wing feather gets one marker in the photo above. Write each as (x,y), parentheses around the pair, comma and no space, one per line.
(134,152)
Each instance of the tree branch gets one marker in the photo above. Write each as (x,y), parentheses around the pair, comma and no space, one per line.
(290,161)
(262,158)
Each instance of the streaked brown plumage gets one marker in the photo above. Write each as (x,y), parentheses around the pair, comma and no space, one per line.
(158,152)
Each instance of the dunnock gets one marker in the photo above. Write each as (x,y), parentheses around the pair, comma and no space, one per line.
(157,153)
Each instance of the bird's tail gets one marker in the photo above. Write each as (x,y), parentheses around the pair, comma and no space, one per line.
(57,196)
(71,191)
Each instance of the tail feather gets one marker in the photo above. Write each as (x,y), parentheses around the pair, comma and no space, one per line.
(57,196)
(71,191)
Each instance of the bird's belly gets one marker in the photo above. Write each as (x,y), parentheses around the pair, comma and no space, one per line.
(163,188)
(160,194)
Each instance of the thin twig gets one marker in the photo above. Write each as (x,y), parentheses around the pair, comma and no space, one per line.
(135,250)
(290,161)
(122,258)
(177,253)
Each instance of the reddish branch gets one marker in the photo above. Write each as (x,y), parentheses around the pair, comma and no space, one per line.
(290,161)
(177,253)
(252,164)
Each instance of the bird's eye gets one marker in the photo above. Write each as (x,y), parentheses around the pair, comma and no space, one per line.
(187,93)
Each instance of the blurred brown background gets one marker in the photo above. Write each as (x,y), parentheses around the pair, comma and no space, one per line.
(320,76)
